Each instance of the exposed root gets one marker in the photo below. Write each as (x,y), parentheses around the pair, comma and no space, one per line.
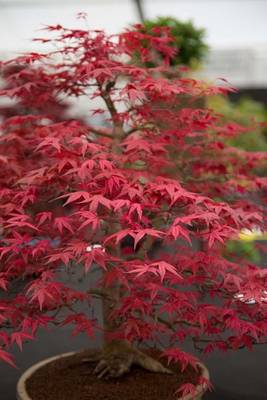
(150,363)
(117,358)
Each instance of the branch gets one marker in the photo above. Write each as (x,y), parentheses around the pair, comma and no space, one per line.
(206,179)
(105,94)
(118,132)
(167,323)
(179,321)
(195,341)
(99,132)
(101,293)
(140,128)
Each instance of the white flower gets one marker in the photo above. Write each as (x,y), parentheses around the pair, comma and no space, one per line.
(95,246)
(240,297)
(249,235)
(249,301)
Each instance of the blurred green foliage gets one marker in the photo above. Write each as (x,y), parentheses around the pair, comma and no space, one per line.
(239,248)
(191,50)
(188,40)
(248,113)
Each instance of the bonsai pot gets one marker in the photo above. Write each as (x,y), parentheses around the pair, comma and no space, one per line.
(23,394)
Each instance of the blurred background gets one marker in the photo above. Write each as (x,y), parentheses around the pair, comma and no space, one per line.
(236,30)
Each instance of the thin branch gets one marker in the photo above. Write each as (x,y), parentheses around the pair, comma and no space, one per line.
(165,322)
(140,128)
(99,132)
(101,293)
(105,94)
(195,341)
(140,10)
(171,325)
(118,132)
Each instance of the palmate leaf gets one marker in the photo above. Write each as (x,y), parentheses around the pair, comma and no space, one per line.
(184,359)
(50,142)
(88,218)
(94,256)
(159,268)
(75,196)
(137,235)
(19,337)
(20,220)
(7,357)
(62,223)
(43,217)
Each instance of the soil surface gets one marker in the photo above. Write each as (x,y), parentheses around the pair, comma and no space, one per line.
(70,379)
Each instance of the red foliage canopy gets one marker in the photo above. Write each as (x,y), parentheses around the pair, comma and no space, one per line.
(156,171)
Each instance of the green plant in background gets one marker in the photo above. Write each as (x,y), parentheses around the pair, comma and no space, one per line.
(188,40)
(249,113)
(246,245)
(191,50)
(240,248)
(243,249)
(246,112)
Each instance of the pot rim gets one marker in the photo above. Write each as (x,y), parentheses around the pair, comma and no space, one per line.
(23,395)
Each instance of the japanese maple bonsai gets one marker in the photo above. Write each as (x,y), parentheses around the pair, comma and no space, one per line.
(76,194)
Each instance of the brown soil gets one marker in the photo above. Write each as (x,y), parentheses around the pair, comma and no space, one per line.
(70,379)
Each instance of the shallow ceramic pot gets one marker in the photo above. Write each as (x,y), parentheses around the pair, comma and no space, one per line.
(23,395)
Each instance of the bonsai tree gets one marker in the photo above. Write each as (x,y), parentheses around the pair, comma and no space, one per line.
(75,195)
